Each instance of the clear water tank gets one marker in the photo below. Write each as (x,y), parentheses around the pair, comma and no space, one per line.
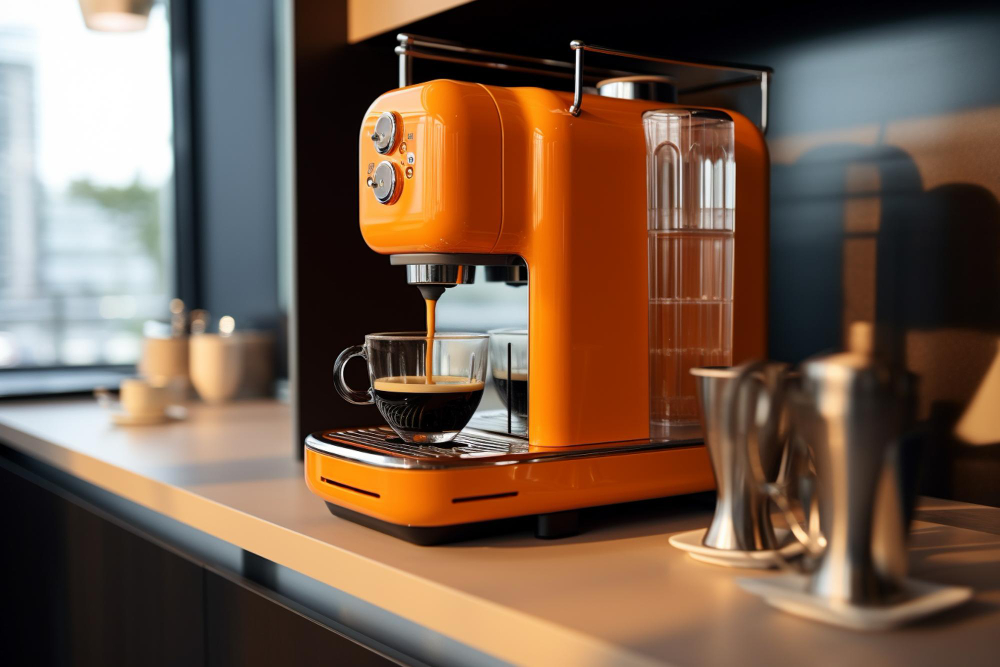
(691,204)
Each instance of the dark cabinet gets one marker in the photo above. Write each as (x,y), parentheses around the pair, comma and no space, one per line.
(248,629)
(81,588)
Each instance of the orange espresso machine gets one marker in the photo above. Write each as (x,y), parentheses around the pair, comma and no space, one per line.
(455,175)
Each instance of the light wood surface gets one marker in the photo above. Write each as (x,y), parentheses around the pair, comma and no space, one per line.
(367,18)
(618,594)
(961,515)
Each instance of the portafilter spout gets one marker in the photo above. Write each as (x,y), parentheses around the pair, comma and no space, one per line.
(432,279)
(434,271)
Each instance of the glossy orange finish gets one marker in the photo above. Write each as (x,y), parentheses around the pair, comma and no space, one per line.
(509,171)
(574,209)
(751,241)
(452,202)
(428,497)
(573,205)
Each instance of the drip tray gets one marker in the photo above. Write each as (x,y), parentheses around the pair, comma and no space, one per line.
(381,447)
(470,443)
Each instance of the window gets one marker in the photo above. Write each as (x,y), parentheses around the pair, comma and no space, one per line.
(86,191)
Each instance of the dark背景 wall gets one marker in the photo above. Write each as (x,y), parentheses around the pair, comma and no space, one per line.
(885,188)
(225,105)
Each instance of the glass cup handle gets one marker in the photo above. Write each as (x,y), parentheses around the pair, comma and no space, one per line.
(348,394)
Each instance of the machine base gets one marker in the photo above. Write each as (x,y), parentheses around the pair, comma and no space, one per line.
(555,525)
(486,483)
(547,526)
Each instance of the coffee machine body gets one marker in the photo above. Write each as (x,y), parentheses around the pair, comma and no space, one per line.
(462,174)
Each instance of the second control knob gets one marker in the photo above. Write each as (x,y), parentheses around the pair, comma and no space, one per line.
(385,182)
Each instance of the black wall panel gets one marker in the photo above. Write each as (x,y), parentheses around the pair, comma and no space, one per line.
(235,107)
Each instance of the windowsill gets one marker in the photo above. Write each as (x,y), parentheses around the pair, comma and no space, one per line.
(60,381)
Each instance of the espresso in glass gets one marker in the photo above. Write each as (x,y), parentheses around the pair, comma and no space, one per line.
(513,390)
(419,411)
(426,386)
(509,362)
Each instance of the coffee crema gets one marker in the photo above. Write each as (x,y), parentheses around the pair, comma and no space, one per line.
(440,384)
(423,409)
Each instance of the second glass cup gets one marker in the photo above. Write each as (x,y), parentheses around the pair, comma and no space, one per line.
(509,359)
(427,395)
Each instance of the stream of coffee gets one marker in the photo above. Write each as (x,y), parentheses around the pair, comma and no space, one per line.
(429,355)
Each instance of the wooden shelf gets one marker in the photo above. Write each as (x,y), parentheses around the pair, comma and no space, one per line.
(366,18)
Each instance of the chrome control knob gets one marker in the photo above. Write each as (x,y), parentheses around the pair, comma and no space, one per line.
(385,183)
(384,136)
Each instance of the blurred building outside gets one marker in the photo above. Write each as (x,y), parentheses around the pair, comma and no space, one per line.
(85,260)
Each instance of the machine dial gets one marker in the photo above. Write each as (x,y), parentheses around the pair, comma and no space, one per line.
(384,136)
(384,183)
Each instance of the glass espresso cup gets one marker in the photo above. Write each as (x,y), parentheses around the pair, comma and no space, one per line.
(426,396)
(509,362)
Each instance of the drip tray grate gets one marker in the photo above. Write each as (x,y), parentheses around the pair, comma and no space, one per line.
(470,443)
(381,447)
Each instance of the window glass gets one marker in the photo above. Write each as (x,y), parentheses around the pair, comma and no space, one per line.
(86,188)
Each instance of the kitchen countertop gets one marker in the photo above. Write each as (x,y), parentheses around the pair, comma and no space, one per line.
(617,594)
